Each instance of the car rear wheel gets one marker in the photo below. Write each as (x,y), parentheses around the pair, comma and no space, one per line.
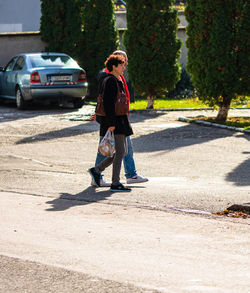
(20,103)
(78,103)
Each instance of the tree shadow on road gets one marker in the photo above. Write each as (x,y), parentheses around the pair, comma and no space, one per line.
(240,176)
(77,130)
(178,137)
(188,135)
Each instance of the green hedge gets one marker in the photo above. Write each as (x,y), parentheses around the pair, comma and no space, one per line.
(152,47)
(217,31)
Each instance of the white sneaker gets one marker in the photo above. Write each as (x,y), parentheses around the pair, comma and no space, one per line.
(102,183)
(136,179)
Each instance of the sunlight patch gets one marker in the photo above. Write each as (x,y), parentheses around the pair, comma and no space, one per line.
(167,179)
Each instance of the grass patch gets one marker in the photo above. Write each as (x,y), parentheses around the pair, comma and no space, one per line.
(178,103)
(167,103)
(239,122)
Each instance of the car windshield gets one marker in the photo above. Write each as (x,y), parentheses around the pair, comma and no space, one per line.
(52,61)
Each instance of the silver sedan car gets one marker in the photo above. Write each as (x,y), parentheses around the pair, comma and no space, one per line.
(53,77)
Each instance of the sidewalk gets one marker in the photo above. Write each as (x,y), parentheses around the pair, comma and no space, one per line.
(148,249)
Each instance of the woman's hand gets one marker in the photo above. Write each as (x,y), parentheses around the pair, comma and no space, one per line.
(111,128)
(93,117)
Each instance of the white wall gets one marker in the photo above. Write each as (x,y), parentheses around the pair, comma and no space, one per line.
(19,15)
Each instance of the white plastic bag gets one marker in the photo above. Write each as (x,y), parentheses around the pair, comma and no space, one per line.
(107,145)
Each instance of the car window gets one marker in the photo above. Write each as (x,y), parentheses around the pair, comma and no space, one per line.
(10,65)
(19,64)
(52,61)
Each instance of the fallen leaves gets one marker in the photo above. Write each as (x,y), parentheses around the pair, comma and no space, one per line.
(233,214)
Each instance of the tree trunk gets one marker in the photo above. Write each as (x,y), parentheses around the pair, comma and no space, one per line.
(223,110)
(150,104)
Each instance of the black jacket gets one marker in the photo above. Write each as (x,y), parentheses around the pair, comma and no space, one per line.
(121,123)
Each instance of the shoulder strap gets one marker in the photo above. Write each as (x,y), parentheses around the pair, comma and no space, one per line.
(104,84)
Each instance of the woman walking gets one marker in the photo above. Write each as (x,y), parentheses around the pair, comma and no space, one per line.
(119,124)
(130,171)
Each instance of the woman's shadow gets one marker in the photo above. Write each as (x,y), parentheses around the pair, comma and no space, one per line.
(87,196)
(67,200)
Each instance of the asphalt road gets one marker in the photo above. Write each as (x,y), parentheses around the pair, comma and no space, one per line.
(49,209)
(189,166)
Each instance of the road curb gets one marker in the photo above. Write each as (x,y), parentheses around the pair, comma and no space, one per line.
(205,123)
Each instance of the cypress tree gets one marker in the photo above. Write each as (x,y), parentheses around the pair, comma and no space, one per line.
(74,29)
(61,26)
(213,55)
(243,46)
(152,47)
(53,23)
(100,38)
(46,24)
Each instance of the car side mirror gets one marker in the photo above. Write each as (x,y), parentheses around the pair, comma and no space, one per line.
(1,68)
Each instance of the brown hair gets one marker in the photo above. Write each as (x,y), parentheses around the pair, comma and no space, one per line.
(114,60)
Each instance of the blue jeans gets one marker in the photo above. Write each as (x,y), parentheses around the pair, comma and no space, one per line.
(128,160)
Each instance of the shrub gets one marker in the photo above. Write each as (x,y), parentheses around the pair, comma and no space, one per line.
(243,46)
(100,38)
(184,87)
(152,47)
(213,56)
(61,26)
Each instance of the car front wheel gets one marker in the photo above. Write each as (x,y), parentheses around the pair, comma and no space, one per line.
(20,103)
